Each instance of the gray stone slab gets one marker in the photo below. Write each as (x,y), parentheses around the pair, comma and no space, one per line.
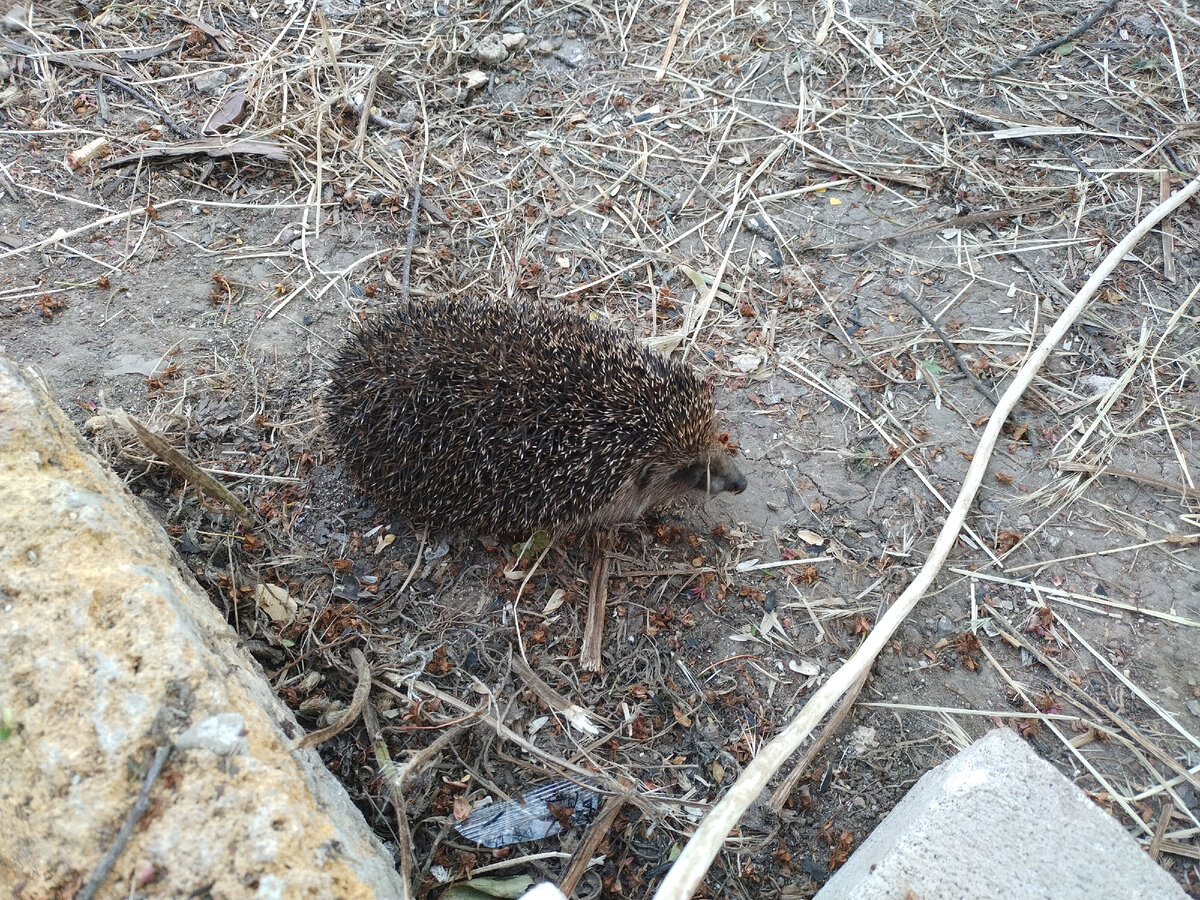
(996,822)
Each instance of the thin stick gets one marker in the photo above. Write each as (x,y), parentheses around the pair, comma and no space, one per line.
(61,235)
(593,632)
(666,60)
(105,866)
(361,691)
(690,868)
(186,469)
(596,833)
(1084,701)
(412,234)
(1057,42)
(987,393)
(416,561)
(393,779)
(182,130)
(779,796)
(1189,492)
(1160,831)
(1168,235)
(975,218)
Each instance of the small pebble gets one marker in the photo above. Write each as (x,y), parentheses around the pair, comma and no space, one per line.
(491,50)
(210,82)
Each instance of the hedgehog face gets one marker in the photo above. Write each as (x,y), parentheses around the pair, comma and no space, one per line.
(713,474)
(657,483)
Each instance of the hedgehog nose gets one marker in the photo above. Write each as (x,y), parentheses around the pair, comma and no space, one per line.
(735,481)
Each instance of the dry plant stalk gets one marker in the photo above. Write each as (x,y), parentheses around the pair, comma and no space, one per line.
(362,690)
(690,868)
(187,469)
(593,632)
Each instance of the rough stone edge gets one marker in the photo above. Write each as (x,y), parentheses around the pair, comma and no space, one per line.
(365,855)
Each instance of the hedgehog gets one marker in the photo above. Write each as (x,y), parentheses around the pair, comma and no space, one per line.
(514,417)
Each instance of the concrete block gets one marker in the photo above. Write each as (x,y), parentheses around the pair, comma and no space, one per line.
(996,822)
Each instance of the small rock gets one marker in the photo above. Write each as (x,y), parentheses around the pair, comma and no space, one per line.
(224,734)
(474,79)
(339,9)
(862,739)
(572,54)
(406,114)
(211,82)
(145,873)
(491,50)
(514,41)
(1092,385)
(1194,708)
(546,48)
(1145,27)
(746,362)
(16,20)
(945,626)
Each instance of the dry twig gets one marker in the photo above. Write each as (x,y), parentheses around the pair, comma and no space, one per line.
(362,691)
(140,807)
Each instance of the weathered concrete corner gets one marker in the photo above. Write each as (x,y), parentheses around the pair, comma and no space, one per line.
(107,650)
(998,821)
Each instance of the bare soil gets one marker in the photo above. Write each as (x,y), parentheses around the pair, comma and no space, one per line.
(818,164)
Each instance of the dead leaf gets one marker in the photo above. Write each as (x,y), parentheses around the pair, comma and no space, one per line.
(1006,540)
(275,601)
(229,112)
(556,600)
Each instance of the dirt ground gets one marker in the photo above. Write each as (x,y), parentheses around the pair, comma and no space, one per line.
(892,201)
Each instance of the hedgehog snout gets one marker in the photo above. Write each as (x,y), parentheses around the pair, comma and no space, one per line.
(727,478)
(733,481)
(713,475)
